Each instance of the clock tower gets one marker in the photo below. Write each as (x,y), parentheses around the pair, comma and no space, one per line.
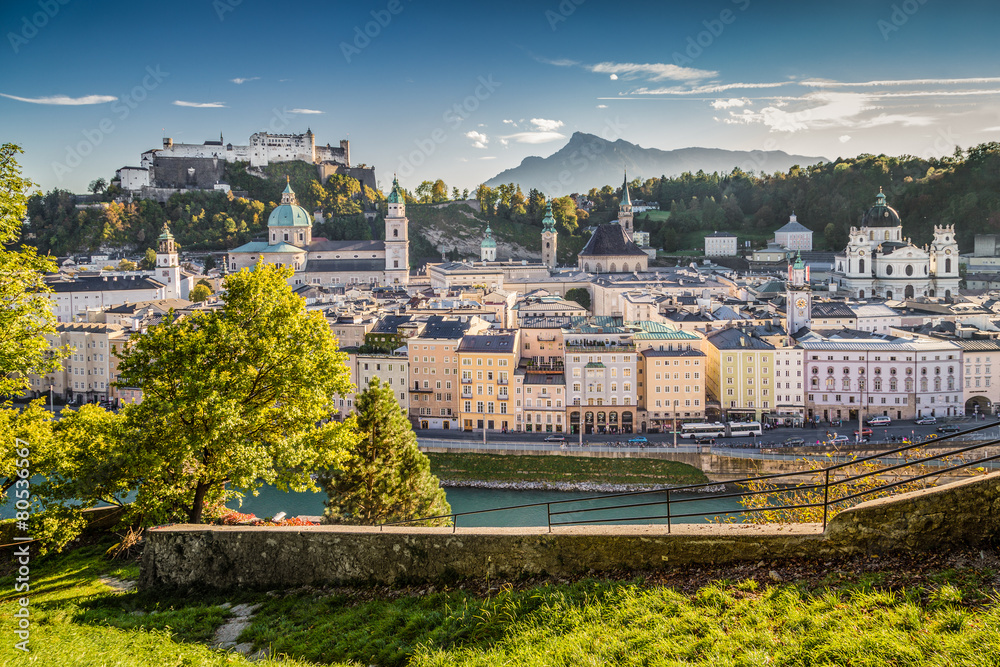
(798,297)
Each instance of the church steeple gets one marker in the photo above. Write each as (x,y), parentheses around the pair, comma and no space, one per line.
(488,248)
(549,238)
(288,195)
(625,209)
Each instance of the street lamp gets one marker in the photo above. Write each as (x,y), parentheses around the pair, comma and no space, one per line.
(676,403)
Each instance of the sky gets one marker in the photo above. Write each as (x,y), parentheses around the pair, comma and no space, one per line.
(463,90)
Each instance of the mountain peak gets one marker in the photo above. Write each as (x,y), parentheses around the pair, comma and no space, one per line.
(589,161)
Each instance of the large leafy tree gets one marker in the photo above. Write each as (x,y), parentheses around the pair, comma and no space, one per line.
(384,477)
(26,315)
(233,399)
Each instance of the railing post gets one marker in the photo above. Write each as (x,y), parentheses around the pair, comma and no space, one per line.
(826,498)
(454,523)
(668,511)
(548,515)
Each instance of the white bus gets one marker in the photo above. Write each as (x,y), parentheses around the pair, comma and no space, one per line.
(744,429)
(694,430)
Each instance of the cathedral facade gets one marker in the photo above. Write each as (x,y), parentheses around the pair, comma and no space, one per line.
(879,262)
(318,261)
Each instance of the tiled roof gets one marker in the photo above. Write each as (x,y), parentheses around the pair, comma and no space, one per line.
(611,240)
(502,343)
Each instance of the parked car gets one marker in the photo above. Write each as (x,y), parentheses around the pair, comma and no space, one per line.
(879,420)
(793,442)
(555,438)
(865,432)
(926,420)
(949,428)
(639,439)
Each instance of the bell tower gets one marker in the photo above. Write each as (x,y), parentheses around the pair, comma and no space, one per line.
(168,269)
(625,209)
(488,248)
(550,238)
(798,297)
(397,243)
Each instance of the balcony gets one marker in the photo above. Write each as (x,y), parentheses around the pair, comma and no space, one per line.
(607,349)
(469,395)
(503,381)
(545,367)
(503,397)
(466,380)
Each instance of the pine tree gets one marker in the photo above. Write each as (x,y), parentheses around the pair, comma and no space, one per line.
(384,477)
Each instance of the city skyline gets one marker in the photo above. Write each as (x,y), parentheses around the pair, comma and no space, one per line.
(463,92)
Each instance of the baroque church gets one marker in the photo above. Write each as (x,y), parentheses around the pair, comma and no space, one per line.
(611,248)
(879,262)
(318,261)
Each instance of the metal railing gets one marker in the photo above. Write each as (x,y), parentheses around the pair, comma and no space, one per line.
(827,474)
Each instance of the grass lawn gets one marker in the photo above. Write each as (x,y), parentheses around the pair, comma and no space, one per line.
(914,611)
(511,468)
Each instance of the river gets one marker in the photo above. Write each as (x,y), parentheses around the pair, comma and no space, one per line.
(270,500)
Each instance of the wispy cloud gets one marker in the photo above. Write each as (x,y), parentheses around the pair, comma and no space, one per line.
(63,100)
(844,138)
(652,71)
(479,140)
(305,111)
(821,83)
(535,137)
(825,110)
(602,106)
(200,105)
(488,157)
(240,80)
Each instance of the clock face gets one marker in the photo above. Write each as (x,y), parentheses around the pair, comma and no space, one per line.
(948,251)
(801,303)
(861,252)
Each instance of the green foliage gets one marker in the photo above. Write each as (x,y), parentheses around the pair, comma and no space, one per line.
(580,295)
(26,315)
(127,265)
(384,477)
(32,425)
(231,400)
(200,293)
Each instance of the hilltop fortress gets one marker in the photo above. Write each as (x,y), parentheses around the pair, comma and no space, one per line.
(176,167)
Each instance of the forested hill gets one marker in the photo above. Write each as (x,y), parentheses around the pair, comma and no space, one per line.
(828,197)
(963,190)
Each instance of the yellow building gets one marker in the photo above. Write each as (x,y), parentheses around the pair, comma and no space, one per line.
(487,362)
(740,369)
(433,367)
(87,372)
(671,388)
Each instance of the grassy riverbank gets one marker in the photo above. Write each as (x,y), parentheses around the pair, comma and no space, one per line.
(904,611)
(571,469)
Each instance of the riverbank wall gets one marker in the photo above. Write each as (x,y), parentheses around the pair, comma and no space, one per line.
(965,513)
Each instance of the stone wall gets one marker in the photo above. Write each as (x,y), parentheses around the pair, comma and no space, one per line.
(223,557)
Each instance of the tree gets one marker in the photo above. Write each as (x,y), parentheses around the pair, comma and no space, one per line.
(200,293)
(384,477)
(26,315)
(148,262)
(233,398)
(127,265)
(209,264)
(580,295)
(98,185)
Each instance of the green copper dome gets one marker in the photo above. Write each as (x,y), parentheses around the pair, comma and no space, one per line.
(489,241)
(165,235)
(548,222)
(289,213)
(396,195)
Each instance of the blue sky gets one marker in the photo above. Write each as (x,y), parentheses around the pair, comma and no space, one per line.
(463,90)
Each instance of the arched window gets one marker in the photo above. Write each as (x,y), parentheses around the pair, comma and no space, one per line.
(893,384)
(815,383)
(923,384)
(947,265)
(846,370)
(861,294)
(951,383)
(831,384)
(586,267)
(846,384)
(598,267)
(613,269)
(861,266)
(887,235)
(909,384)
(877,384)
(937,384)
(395,233)
(624,268)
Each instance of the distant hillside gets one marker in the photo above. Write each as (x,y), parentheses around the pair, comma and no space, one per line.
(593,162)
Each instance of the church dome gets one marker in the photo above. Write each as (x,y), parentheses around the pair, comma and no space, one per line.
(488,241)
(880,215)
(289,213)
